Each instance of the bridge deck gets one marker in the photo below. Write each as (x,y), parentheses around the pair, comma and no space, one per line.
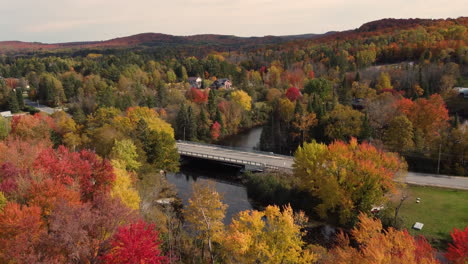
(212,152)
(279,162)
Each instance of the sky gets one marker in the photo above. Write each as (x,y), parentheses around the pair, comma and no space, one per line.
(51,21)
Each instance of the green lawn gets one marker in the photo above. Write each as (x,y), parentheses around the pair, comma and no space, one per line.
(440,210)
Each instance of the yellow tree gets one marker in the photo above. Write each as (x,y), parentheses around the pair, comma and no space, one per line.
(270,236)
(123,187)
(383,82)
(347,178)
(243,99)
(205,213)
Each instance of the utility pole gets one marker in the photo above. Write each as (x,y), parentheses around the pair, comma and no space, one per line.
(438,161)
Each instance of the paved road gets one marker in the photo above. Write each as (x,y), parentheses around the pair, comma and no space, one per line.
(42,108)
(437,180)
(285,162)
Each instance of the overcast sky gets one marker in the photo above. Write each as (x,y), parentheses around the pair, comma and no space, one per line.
(82,20)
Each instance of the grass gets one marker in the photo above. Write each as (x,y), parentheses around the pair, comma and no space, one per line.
(440,210)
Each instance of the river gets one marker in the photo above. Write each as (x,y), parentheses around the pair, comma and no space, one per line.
(234,194)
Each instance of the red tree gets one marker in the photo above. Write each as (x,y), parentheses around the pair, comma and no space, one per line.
(458,250)
(134,244)
(293,94)
(93,174)
(20,230)
(215,130)
(197,96)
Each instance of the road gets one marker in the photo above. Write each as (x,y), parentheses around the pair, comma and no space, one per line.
(445,181)
(42,108)
(285,162)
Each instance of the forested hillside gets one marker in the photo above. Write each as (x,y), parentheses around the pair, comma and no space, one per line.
(78,185)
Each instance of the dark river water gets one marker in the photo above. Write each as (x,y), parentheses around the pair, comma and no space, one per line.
(234,194)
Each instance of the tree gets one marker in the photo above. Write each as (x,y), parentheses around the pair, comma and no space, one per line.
(320,86)
(293,94)
(13,102)
(135,244)
(270,236)
(343,123)
(381,246)
(205,213)
(3,201)
(347,178)
(36,127)
(383,82)
(215,130)
(20,230)
(197,96)
(430,116)
(303,123)
(399,135)
(4,128)
(123,188)
(212,103)
(243,99)
(19,97)
(457,251)
(81,233)
(124,155)
(93,174)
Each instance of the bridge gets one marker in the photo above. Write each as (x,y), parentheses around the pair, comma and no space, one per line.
(264,160)
(268,160)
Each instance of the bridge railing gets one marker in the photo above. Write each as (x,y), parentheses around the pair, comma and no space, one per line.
(231,160)
(234,148)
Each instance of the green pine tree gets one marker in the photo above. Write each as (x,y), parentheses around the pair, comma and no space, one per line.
(19,98)
(13,102)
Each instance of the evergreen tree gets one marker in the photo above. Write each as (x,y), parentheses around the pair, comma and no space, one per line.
(19,98)
(357,78)
(299,109)
(203,126)
(366,130)
(212,104)
(181,123)
(191,124)
(13,102)
(161,95)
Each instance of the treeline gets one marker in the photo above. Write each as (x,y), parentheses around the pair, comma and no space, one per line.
(343,85)
(61,202)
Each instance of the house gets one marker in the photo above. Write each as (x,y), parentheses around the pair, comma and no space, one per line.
(195,82)
(462,91)
(221,83)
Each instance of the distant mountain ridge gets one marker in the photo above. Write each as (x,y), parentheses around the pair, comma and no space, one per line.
(153,39)
(159,39)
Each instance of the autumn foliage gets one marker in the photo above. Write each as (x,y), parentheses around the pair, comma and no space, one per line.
(346,177)
(215,130)
(293,94)
(134,244)
(381,246)
(197,96)
(457,251)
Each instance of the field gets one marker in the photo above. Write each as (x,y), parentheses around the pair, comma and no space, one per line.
(440,210)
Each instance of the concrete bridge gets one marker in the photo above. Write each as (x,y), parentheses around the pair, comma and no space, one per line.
(235,156)
(266,160)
